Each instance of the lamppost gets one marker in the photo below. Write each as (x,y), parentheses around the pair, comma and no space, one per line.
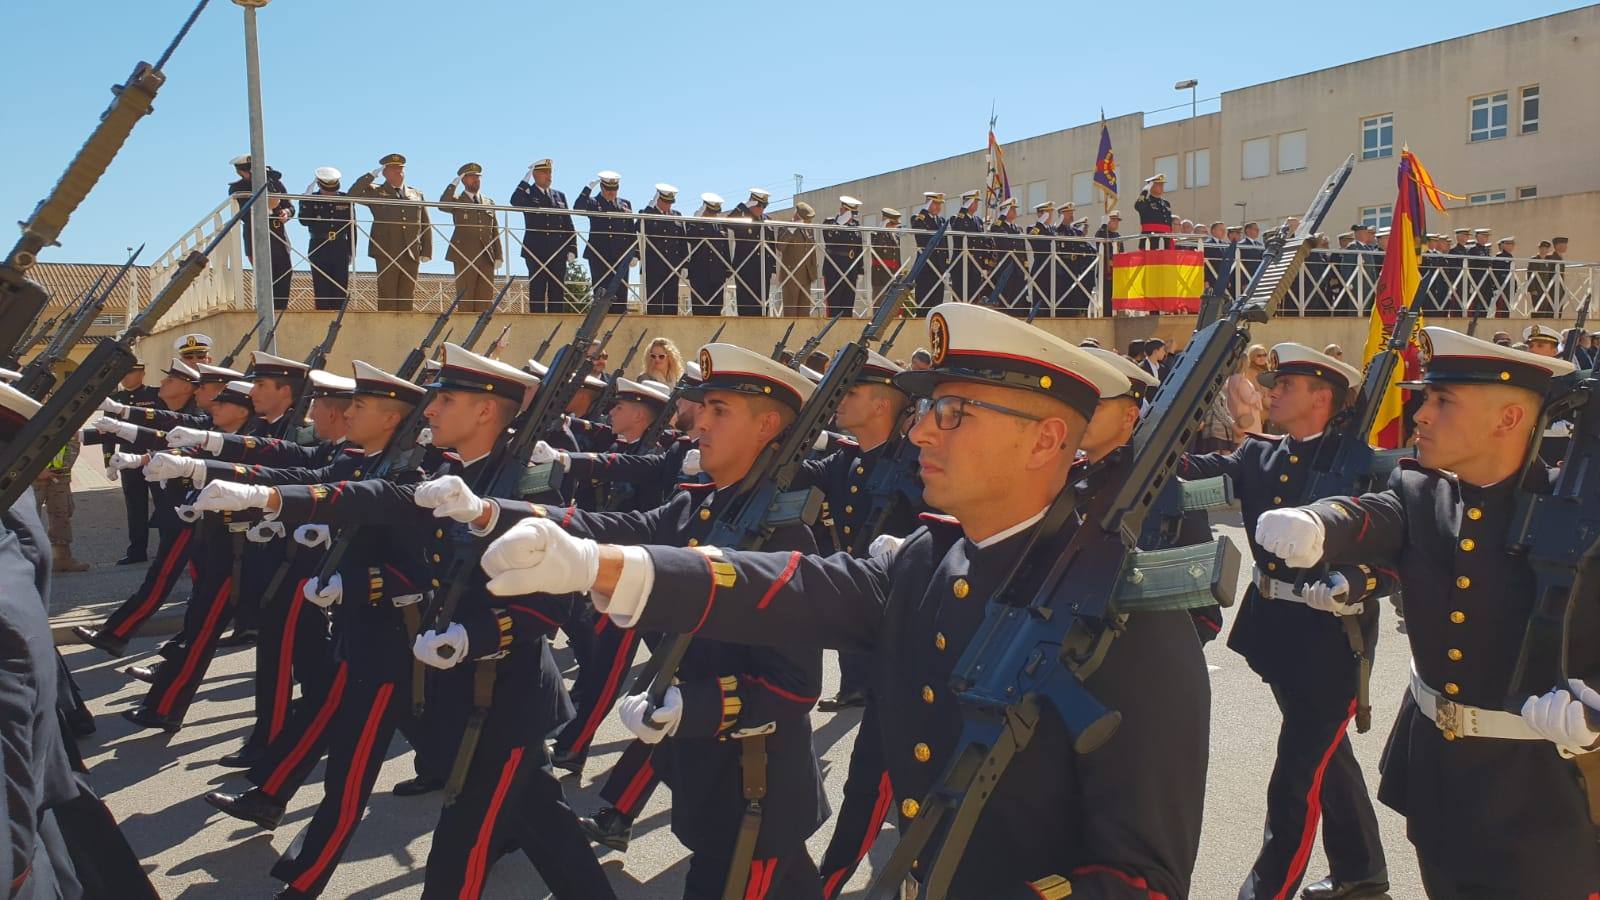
(1244,211)
(1188,162)
(260,232)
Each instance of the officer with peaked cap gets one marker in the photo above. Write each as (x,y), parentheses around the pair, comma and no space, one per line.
(193,348)
(665,252)
(754,256)
(549,240)
(998,423)
(797,261)
(967,271)
(613,239)
(402,236)
(494,657)
(1041,249)
(1155,213)
(1493,803)
(281,212)
(841,261)
(709,257)
(332,227)
(1110,229)
(133,392)
(475,244)
(1293,636)
(1007,261)
(885,254)
(727,693)
(924,222)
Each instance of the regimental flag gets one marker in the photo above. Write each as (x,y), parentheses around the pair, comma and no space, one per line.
(996,186)
(1398,283)
(1105,166)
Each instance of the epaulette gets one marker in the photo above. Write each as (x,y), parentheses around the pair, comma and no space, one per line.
(695,485)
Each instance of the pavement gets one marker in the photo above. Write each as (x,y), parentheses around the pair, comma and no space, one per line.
(154,782)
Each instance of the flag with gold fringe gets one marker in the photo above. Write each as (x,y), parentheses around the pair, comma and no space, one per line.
(1105,166)
(997,187)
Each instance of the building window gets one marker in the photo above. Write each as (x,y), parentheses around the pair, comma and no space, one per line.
(1377,136)
(1530,109)
(1377,216)
(1082,188)
(1253,158)
(1168,166)
(1198,164)
(1488,117)
(1527,192)
(1037,193)
(1292,151)
(1487,197)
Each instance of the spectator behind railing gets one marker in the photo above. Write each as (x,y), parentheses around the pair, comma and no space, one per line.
(662,362)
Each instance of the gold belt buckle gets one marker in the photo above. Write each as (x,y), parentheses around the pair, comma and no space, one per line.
(1447,716)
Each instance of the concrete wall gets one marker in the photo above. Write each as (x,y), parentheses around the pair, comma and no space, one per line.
(384,339)
(1202,204)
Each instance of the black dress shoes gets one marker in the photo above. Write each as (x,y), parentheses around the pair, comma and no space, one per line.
(251,806)
(1330,889)
(609,828)
(105,642)
(844,700)
(146,674)
(413,787)
(149,718)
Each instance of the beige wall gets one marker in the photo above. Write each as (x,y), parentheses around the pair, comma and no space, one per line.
(1428,90)
(1204,204)
(384,339)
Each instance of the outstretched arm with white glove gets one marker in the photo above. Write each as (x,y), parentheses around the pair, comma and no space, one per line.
(327,595)
(167,466)
(184,438)
(231,496)
(1293,535)
(1566,717)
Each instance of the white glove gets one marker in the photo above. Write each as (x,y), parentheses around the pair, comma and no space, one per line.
(593,184)
(121,460)
(884,546)
(535,556)
(376,173)
(231,496)
(441,650)
(449,497)
(264,532)
(312,536)
(425,437)
(824,437)
(324,596)
(183,437)
(691,463)
(167,466)
(1561,716)
(112,473)
(108,425)
(112,407)
(663,720)
(544,453)
(528,176)
(1332,595)
(456,182)
(187,514)
(1293,535)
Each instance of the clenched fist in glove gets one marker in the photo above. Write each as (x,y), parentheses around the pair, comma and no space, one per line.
(312,536)
(884,546)
(231,496)
(1293,535)
(1562,717)
(441,650)
(324,596)
(1332,595)
(449,497)
(537,557)
(544,453)
(112,407)
(167,466)
(662,721)
(183,438)
(121,430)
(121,460)
(691,463)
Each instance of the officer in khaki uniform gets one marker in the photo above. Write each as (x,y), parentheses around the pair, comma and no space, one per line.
(474,246)
(53,494)
(402,236)
(798,261)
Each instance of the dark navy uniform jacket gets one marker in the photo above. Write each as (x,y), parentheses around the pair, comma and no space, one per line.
(1287,643)
(611,240)
(1155,213)
(727,687)
(1504,813)
(548,235)
(842,477)
(1122,822)
(923,225)
(330,222)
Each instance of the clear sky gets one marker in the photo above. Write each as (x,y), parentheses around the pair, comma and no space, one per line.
(710,96)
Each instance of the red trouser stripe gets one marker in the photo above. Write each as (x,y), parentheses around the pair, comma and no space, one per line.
(313,732)
(641,779)
(761,872)
(158,588)
(608,693)
(350,801)
(478,862)
(1308,831)
(880,812)
(284,684)
(197,648)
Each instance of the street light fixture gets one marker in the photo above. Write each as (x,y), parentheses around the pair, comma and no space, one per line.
(260,233)
(1244,211)
(1189,84)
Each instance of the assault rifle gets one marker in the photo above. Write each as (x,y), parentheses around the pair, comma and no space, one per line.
(609,395)
(1214,301)
(545,345)
(1041,636)
(1569,343)
(498,344)
(21,298)
(482,322)
(36,335)
(38,377)
(883,348)
(37,442)
(413,361)
(227,361)
(777,349)
(811,344)
(316,359)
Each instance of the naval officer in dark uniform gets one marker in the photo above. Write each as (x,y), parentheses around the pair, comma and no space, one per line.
(924,222)
(549,240)
(1492,799)
(332,228)
(998,426)
(1155,214)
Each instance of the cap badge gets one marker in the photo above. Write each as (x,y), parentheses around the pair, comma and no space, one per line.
(1424,348)
(939,336)
(705,363)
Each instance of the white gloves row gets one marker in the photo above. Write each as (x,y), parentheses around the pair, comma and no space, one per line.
(544,453)
(121,430)
(167,466)
(1293,535)
(231,496)
(1562,717)
(184,438)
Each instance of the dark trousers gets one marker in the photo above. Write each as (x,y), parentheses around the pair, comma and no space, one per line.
(705,290)
(841,288)
(930,288)
(868,799)
(610,282)
(854,670)
(547,290)
(661,287)
(259,562)
(291,646)
(136,502)
(750,288)
(1313,749)
(510,795)
(179,677)
(172,555)
(330,275)
(632,780)
(600,682)
(788,876)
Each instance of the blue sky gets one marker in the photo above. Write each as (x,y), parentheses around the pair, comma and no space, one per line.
(710,96)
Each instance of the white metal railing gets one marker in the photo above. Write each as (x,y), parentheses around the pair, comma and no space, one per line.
(731,265)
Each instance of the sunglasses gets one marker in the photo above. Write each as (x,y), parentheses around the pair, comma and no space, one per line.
(949,410)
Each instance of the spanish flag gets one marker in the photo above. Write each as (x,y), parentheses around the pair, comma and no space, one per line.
(1398,283)
(1164,281)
